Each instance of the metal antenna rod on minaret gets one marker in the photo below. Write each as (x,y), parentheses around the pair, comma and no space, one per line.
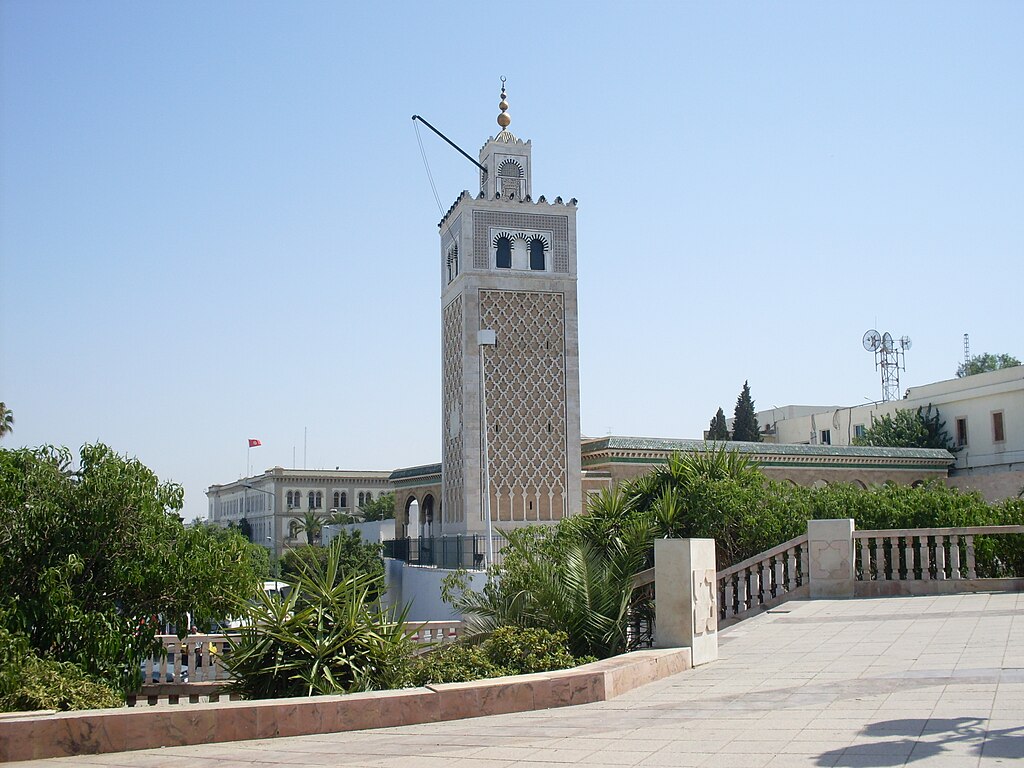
(450,142)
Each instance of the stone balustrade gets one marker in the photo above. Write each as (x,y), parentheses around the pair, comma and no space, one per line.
(759,582)
(920,560)
(195,659)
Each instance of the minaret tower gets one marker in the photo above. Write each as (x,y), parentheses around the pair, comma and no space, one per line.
(508,265)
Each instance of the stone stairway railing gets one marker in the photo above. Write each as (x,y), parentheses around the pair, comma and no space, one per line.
(764,580)
(835,560)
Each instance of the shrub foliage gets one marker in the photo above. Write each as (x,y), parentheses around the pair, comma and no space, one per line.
(328,636)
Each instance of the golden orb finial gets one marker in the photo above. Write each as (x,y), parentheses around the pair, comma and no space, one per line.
(503,119)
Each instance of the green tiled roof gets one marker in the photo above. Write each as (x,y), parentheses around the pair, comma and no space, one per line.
(407,473)
(658,444)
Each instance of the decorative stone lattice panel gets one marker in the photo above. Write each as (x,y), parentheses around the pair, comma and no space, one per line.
(451,341)
(705,601)
(557,225)
(526,401)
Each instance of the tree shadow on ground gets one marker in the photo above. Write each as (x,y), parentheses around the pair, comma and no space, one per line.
(907,741)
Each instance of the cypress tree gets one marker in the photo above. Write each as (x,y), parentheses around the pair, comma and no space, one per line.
(744,424)
(718,430)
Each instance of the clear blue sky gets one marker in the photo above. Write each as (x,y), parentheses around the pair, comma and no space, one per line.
(215,223)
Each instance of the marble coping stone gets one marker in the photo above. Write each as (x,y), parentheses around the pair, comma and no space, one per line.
(28,736)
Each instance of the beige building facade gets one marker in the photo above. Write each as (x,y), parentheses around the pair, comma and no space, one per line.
(273,503)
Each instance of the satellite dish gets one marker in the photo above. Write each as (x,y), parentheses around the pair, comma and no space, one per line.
(887,341)
(905,342)
(871,340)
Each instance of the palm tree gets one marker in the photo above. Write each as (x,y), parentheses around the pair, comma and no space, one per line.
(6,420)
(312,524)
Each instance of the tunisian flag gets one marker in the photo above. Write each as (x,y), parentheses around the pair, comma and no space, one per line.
(253,442)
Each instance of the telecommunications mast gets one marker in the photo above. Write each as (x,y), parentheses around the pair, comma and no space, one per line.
(890,356)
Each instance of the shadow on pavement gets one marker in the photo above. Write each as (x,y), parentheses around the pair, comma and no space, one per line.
(904,742)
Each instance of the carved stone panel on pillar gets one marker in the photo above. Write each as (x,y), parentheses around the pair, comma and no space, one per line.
(686,597)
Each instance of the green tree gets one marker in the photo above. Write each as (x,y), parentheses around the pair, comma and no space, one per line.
(245,528)
(6,420)
(744,419)
(907,428)
(312,524)
(94,554)
(381,508)
(718,430)
(985,362)
(354,556)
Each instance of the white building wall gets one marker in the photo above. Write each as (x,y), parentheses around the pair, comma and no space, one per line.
(975,399)
(420,588)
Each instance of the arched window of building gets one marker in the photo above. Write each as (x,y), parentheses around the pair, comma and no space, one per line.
(319,499)
(537,255)
(503,252)
(337,499)
(344,500)
(312,499)
(369,496)
(290,498)
(293,529)
(362,498)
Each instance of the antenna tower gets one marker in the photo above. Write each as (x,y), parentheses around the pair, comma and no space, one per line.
(890,357)
(967,350)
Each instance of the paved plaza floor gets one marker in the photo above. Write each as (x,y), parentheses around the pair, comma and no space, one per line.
(919,681)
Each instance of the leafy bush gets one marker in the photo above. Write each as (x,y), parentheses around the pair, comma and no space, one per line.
(45,684)
(28,682)
(328,636)
(526,650)
(507,651)
(455,663)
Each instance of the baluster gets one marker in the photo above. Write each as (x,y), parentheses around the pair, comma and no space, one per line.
(805,566)
(898,553)
(754,586)
(865,560)
(972,572)
(780,577)
(940,558)
(730,597)
(893,558)
(924,557)
(954,558)
(791,569)
(741,592)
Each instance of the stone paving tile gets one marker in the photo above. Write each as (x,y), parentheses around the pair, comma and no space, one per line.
(928,682)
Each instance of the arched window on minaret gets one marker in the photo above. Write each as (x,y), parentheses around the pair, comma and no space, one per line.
(537,246)
(509,175)
(503,252)
(453,262)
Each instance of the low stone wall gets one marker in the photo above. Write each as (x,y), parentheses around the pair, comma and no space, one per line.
(27,736)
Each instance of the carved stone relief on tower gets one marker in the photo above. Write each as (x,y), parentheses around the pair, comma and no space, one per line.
(452,447)
(526,404)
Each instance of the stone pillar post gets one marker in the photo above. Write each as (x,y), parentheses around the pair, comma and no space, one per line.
(686,597)
(830,543)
